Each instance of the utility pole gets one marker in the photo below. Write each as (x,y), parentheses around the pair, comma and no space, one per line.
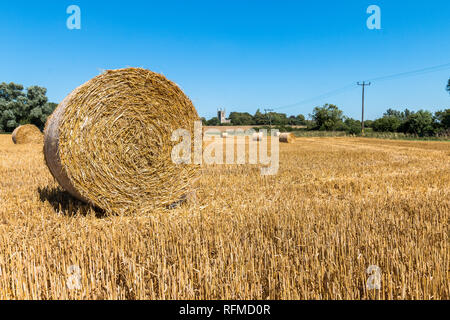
(363,84)
(270,117)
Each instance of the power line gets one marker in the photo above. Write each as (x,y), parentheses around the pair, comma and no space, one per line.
(412,73)
(322,96)
(377,79)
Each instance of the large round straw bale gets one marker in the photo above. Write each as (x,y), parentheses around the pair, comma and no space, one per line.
(287,137)
(257,136)
(108,142)
(27,133)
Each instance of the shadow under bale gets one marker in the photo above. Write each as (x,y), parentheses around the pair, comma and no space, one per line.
(63,203)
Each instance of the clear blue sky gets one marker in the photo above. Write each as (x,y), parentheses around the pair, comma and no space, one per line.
(241,55)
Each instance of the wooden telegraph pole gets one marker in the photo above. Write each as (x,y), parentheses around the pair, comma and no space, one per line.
(363,84)
(270,117)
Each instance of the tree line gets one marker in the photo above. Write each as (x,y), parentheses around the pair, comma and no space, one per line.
(20,106)
(330,118)
(259,118)
(421,123)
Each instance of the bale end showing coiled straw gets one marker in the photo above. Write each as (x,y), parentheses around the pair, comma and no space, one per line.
(109,142)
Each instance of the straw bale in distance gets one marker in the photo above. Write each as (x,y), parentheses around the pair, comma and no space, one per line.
(257,136)
(27,133)
(108,142)
(287,137)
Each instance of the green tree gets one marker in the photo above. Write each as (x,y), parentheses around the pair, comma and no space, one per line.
(12,105)
(37,101)
(260,118)
(277,118)
(368,123)
(401,115)
(420,123)
(388,123)
(300,120)
(213,122)
(394,113)
(328,117)
(442,119)
(18,107)
(241,118)
(352,126)
(292,120)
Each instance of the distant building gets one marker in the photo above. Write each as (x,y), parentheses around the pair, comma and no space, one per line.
(221,116)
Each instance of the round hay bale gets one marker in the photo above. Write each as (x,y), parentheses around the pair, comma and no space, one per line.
(27,133)
(257,136)
(224,134)
(108,143)
(287,137)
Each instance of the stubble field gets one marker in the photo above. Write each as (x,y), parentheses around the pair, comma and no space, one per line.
(336,207)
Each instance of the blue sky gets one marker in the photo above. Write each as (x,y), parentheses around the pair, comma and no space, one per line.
(241,55)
